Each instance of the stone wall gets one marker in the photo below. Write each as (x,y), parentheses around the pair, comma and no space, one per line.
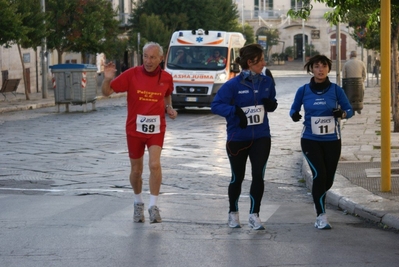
(10,63)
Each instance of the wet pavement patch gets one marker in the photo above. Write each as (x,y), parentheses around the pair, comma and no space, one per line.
(31,187)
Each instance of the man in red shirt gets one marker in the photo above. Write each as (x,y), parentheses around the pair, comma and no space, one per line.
(149,90)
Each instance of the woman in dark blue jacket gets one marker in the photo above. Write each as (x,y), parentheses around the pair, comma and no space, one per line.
(245,101)
(324,103)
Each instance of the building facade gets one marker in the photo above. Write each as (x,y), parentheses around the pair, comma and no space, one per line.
(297,33)
(260,14)
(11,67)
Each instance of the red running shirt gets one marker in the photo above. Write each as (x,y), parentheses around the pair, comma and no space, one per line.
(145,95)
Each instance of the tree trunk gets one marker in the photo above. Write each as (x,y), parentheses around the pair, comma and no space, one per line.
(37,71)
(59,52)
(23,72)
(395,79)
(83,57)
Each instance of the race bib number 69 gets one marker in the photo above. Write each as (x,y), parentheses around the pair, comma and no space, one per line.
(148,124)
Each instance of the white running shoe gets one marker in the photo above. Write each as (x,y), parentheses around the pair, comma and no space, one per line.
(138,215)
(321,222)
(254,222)
(234,220)
(155,217)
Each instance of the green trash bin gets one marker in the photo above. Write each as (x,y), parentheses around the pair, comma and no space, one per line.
(74,84)
(353,88)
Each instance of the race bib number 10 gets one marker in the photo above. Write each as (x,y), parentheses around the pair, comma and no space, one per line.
(148,124)
(255,114)
(323,125)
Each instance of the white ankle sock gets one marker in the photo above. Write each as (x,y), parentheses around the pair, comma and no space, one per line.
(153,200)
(138,198)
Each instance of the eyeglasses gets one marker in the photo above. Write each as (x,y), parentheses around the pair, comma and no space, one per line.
(180,52)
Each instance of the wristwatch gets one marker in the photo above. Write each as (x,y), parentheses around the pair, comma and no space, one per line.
(168,106)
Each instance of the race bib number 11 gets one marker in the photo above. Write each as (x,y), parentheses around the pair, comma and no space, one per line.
(148,124)
(323,125)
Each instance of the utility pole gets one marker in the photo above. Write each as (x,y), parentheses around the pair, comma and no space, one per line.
(242,15)
(303,42)
(385,96)
(44,58)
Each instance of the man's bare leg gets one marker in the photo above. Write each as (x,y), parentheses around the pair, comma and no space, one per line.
(155,169)
(136,181)
(136,171)
(155,182)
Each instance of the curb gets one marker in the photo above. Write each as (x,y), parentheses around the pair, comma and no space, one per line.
(357,200)
(47,103)
(26,107)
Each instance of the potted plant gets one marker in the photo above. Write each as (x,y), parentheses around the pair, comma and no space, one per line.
(289,51)
(310,51)
(275,58)
(281,58)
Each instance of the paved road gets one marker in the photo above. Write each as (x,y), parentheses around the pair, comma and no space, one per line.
(66,200)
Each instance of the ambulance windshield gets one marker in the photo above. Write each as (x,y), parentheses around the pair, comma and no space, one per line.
(197,57)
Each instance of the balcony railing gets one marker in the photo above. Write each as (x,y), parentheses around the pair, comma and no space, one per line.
(123,19)
(276,14)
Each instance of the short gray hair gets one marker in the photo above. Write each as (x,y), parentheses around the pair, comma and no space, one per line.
(149,44)
(353,54)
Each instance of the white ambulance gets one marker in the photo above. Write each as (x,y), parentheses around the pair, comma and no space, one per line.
(200,61)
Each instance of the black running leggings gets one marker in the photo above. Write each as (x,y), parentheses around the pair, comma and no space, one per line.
(258,151)
(322,157)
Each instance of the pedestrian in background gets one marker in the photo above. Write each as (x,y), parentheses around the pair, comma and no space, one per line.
(355,70)
(101,60)
(324,104)
(244,102)
(376,69)
(148,98)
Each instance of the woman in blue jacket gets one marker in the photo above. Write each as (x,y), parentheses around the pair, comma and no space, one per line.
(245,101)
(324,103)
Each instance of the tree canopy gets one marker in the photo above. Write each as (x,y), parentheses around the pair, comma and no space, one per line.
(10,23)
(21,23)
(80,25)
(33,22)
(189,14)
(272,39)
(173,15)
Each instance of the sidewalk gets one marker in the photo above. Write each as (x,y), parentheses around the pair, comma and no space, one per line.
(18,102)
(356,189)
